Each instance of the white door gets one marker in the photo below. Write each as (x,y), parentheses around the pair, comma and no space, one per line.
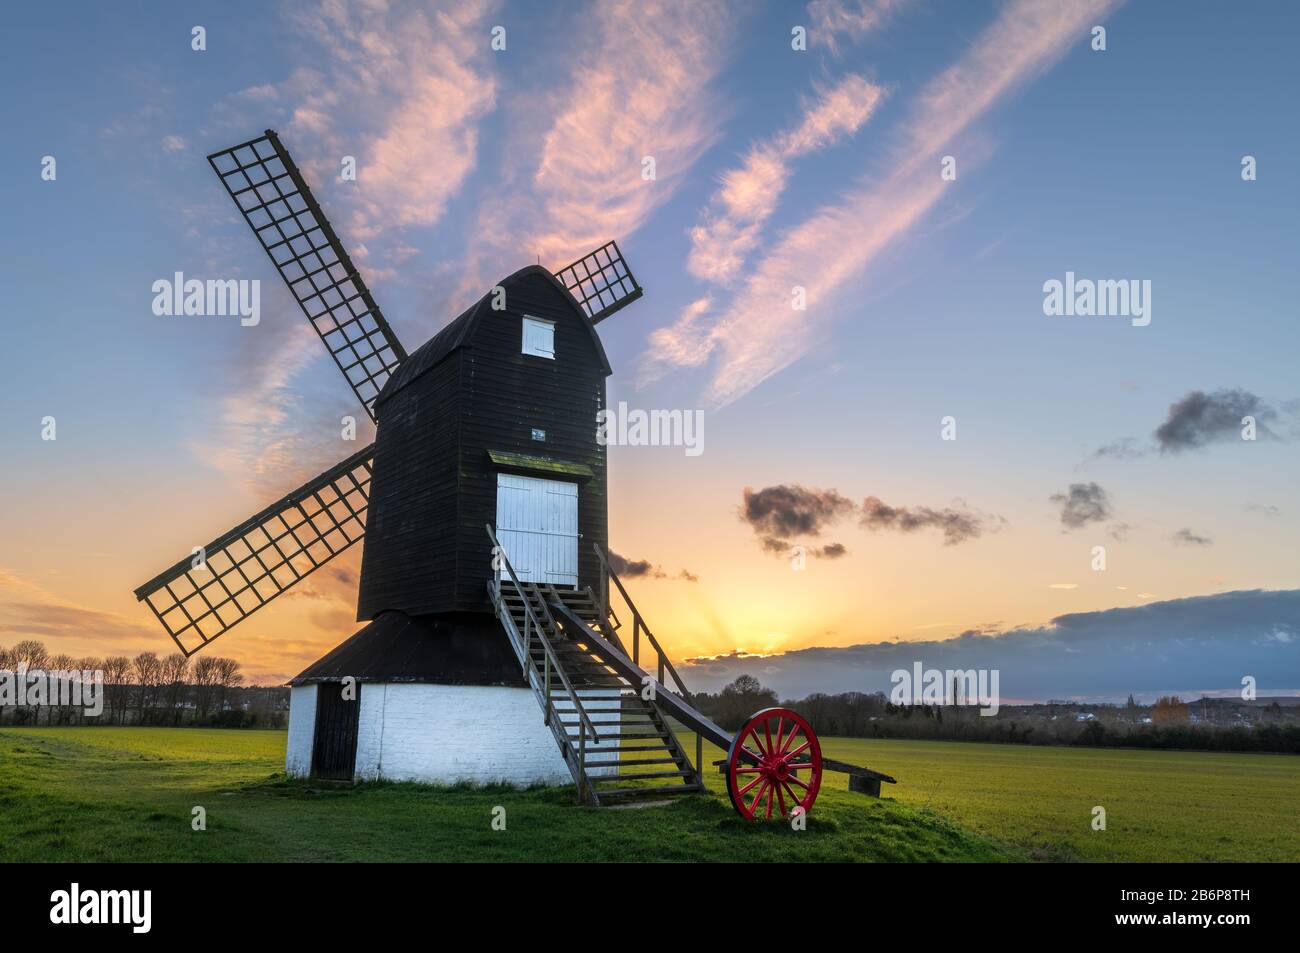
(537,526)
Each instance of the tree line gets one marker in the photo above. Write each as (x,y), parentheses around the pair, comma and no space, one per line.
(862,715)
(149,690)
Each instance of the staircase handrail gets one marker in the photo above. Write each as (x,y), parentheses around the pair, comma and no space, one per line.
(553,660)
(638,625)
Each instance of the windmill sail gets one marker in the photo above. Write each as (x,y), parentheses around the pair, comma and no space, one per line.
(600,282)
(284,215)
(260,558)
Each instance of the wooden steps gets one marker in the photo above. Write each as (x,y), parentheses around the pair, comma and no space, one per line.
(580,695)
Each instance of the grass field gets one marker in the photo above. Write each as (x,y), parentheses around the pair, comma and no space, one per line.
(105,794)
(1160,805)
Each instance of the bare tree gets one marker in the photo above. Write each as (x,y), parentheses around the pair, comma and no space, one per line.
(148,671)
(205,681)
(88,664)
(31,653)
(175,668)
(228,677)
(34,655)
(116,669)
(63,662)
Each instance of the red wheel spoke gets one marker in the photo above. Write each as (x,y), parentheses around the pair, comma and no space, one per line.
(763,765)
(794,798)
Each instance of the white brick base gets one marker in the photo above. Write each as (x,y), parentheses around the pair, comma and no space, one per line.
(302,725)
(445,734)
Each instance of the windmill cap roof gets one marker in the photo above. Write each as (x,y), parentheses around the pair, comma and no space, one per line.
(458,333)
(396,647)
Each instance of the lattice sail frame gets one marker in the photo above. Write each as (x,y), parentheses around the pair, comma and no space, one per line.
(601,282)
(262,557)
(280,209)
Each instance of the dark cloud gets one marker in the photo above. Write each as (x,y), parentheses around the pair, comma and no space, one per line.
(781,513)
(644,569)
(1263,509)
(344,575)
(1185,537)
(1183,646)
(780,546)
(958,525)
(1200,418)
(1123,449)
(633,568)
(1081,504)
(785,511)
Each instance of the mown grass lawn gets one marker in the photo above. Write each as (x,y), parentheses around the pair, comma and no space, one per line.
(118,794)
(1160,805)
(126,794)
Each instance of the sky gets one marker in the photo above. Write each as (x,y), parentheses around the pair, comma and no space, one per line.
(844,248)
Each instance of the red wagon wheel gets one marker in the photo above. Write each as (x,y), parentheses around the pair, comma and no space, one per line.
(774,763)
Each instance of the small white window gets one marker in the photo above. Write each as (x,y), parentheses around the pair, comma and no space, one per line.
(539,337)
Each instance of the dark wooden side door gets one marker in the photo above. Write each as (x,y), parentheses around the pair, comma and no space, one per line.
(334,747)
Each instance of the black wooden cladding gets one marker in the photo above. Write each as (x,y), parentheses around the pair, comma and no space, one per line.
(434,485)
(334,743)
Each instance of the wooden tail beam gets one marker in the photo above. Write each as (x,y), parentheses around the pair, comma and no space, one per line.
(682,710)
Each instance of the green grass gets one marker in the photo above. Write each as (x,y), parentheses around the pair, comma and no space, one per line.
(114,794)
(1160,805)
(106,794)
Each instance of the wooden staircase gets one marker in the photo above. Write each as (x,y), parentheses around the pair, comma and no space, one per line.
(616,741)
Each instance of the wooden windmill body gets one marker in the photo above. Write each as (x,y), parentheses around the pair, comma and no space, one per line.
(486,467)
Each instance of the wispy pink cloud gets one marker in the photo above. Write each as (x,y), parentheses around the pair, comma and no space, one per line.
(641,86)
(418,81)
(759,332)
(732,223)
(402,88)
(836,20)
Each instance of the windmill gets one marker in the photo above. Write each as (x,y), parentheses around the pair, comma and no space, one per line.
(485,585)
(206,594)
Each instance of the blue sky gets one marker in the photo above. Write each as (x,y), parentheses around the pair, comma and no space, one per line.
(925,296)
